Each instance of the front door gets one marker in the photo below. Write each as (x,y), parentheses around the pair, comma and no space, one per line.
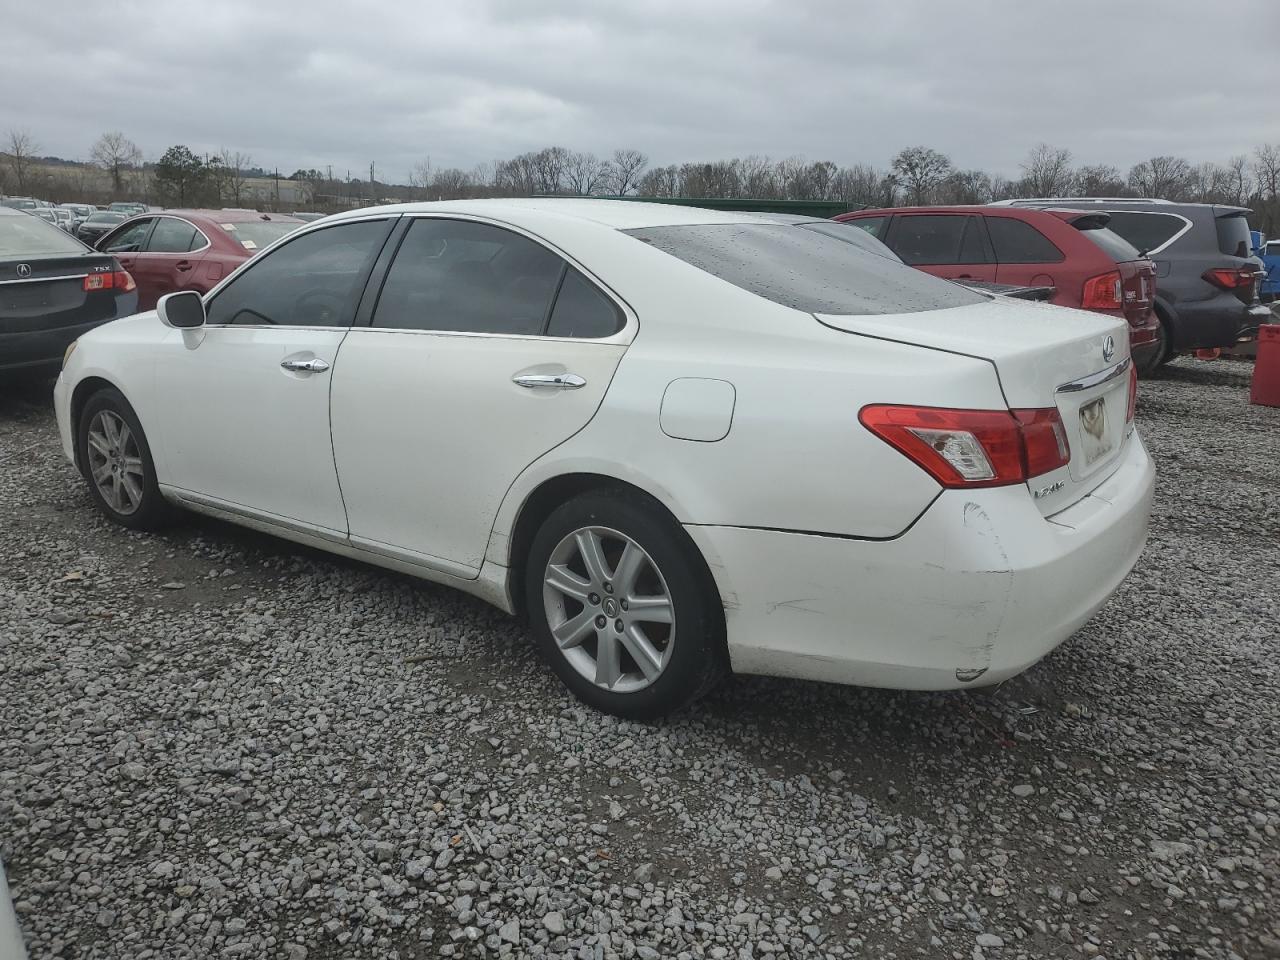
(249,426)
(485,351)
(126,242)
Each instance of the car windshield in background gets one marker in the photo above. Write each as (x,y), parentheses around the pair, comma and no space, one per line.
(1233,235)
(256,234)
(32,237)
(805,269)
(1113,245)
(107,217)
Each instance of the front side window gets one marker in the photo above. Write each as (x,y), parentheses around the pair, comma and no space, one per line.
(461,276)
(927,239)
(174,236)
(129,239)
(1019,242)
(806,269)
(313,281)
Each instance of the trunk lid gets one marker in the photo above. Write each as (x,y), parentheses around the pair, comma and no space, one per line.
(45,293)
(1044,356)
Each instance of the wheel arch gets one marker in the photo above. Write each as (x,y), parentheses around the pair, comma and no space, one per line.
(84,389)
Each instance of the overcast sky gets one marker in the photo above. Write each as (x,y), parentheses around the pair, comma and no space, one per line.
(302,84)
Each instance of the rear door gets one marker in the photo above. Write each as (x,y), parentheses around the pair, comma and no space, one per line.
(948,245)
(485,350)
(1025,256)
(173,250)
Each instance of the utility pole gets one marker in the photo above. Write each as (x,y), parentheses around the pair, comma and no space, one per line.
(373,190)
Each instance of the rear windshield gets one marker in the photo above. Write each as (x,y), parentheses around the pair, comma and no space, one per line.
(256,234)
(1233,235)
(1146,231)
(24,236)
(1113,245)
(803,268)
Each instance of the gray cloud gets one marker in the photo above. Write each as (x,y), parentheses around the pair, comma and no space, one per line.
(326,82)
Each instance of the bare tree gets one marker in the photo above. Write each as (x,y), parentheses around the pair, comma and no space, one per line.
(1099,180)
(966,186)
(1209,183)
(1238,182)
(1161,178)
(625,170)
(21,149)
(1266,170)
(584,173)
(1047,171)
(450,183)
(858,186)
(920,170)
(229,170)
(660,182)
(116,153)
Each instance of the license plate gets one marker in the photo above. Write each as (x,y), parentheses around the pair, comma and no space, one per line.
(26,299)
(1095,436)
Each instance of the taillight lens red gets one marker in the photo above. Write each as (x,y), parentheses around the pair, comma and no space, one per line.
(973,448)
(116,280)
(1230,278)
(1133,395)
(1103,292)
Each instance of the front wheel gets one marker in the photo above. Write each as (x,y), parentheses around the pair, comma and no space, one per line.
(623,606)
(116,460)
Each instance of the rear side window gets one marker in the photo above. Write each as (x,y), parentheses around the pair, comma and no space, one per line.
(1112,244)
(805,269)
(1019,242)
(581,310)
(925,239)
(1233,235)
(172,236)
(468,277)
(1146,231)
(872,225)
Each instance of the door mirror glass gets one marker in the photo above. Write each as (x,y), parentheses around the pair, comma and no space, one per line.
(183,310)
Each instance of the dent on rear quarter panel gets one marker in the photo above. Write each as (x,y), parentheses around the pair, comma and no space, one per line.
(976,655)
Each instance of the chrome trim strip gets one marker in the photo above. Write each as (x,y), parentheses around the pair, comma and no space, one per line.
(258,516)
(1096,379)
(69,276)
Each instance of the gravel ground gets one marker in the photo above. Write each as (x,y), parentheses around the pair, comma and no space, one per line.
(217,744)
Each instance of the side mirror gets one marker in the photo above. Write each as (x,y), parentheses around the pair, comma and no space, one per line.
(183,310)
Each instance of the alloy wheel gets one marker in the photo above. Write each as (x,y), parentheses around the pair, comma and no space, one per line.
(609,609)
(115,462)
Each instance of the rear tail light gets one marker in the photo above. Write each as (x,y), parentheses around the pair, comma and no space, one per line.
(117,280)
(1230,278)
(1103,292)
(1133,395)
(973,448)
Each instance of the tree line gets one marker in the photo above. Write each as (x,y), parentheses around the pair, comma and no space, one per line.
(917,175)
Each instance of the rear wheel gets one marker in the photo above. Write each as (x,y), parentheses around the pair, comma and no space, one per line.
(623,606)
(116,461)
(1164,352)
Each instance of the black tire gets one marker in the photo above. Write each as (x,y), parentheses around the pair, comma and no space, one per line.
(151,511)
(697,658)
(1165,352)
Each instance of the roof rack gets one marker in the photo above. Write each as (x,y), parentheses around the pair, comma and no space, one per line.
(1018,200)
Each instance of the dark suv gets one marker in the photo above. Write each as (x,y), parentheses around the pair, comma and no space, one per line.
(1207,282)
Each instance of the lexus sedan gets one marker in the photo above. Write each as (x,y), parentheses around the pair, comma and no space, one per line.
(679,441)
(52,289)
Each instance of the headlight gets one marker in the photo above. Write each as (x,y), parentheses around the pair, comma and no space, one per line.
(71,348)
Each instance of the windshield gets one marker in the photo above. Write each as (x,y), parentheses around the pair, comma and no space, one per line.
(802,268)
(32,237)
(256,234)
(106,218)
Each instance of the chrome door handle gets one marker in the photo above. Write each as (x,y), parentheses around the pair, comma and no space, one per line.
(561,381)
(314,365)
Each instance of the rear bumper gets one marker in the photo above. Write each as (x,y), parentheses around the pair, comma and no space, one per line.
(978,590)
(1222,321)
(44,348)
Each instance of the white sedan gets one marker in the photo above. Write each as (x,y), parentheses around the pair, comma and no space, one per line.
(679,441)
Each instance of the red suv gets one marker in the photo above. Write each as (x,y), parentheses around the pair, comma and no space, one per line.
(190,249)
(1071,251)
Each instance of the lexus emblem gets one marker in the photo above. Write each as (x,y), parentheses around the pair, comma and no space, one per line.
(24,270)
(1108,348)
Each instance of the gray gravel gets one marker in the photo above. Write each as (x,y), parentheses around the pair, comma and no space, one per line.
(216,744)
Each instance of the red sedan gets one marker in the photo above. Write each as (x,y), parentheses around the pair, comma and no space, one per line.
(190,249)
(1071,251)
